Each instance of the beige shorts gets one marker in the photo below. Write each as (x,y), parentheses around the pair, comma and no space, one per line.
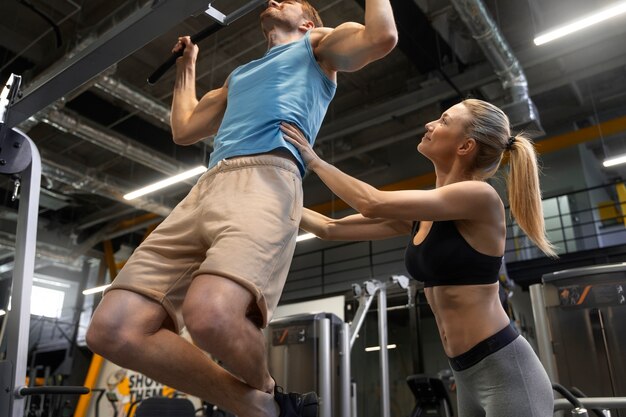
(240,221)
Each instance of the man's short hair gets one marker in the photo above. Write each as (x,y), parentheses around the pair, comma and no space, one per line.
(310,13)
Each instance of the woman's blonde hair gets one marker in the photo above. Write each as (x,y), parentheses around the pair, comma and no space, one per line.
(489,126)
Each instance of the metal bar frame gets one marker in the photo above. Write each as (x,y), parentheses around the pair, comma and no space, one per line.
(346,371)
(141,27)
(324,369)
(385,402)
(592,402)
(366,296)
(18,319)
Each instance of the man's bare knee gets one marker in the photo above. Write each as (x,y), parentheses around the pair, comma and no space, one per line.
(121,322)
(208,323)
(214,309)
(107,337)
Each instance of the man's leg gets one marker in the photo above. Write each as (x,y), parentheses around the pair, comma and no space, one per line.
(215,314)
(128,329)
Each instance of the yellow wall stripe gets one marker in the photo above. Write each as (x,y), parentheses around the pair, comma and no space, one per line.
(90,382)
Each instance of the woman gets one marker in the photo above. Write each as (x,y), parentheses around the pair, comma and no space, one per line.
(458,235)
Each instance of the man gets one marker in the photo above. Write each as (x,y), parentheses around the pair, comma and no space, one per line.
(218,263)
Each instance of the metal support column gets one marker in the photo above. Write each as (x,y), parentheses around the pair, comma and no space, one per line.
(20,158)
(325,406)
(18,324)
(365,296)
(385,402)
(346,372)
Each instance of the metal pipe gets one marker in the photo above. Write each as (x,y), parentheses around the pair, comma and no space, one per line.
(521,110)
(385,404)
(19,319)
(106,187)
(138,100)
(484,30)
(114,142)
(324,363)
(592,402)
(365,302)
(346,371)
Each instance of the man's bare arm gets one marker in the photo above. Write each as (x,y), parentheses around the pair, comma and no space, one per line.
(193,120)
(351,46)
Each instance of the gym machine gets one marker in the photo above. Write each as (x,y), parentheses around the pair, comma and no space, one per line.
(311,352)
(20,158)
(305,353)
(579,319)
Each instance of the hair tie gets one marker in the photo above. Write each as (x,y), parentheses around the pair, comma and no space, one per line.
(510,143)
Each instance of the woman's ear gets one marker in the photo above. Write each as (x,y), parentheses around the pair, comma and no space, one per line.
(467,146)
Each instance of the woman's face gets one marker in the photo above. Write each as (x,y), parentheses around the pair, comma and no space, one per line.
(444,135)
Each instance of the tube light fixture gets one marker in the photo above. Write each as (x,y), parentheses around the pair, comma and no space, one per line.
(2,312)
(582,23)
(305,236)
(51,282)
(166,182)
(375,348)
(614,161)
(95,290)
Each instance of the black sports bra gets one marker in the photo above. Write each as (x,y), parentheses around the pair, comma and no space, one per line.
(445,258)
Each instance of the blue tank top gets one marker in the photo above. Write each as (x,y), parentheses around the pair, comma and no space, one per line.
(445,258)
(286,84)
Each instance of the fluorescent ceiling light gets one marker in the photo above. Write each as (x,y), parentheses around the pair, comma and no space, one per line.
(166,182)
(51,282)
(581,23)
(2,312)
(305,236)
(614,161)
(375,348)
(96,289)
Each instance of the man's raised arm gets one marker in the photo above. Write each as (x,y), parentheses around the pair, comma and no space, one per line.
(192,120)
(351,46)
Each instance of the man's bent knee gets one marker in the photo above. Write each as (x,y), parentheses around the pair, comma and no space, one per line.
(122,321)
(107,338)
(214,309)
(207,323)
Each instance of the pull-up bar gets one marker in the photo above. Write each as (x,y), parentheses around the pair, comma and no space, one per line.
(144,25)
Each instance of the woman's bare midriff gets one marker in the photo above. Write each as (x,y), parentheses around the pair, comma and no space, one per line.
(466,315)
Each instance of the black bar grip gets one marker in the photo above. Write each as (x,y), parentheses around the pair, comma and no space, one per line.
(567,394)
(54,390)
(162,69)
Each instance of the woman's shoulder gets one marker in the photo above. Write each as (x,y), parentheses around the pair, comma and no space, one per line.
(477,194)
(476,186)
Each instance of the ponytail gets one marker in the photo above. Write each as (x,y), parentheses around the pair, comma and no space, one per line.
(489,126)
(525,193)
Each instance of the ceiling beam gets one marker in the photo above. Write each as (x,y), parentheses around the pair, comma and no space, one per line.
(144,25)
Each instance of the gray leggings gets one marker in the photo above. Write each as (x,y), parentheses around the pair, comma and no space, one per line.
(508,383)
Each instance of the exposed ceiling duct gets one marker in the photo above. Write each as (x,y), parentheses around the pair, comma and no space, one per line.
(138,100)
(46,255)
(78,126)
(80,181)
(518,106)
